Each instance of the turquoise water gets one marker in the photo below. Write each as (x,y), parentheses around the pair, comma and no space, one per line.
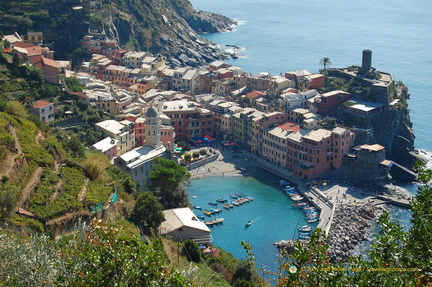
(283,35)
(273,218)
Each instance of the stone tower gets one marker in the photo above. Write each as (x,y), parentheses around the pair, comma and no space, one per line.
(152,128)
(367,60)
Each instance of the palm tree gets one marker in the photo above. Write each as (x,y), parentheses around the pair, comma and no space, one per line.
(325,62)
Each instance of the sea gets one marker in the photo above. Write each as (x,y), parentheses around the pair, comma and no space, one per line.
(277,36)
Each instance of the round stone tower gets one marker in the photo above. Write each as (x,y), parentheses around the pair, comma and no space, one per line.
(152,127)
(367,60)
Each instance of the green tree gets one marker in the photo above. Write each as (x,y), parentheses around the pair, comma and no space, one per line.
(8,201)
(166,177)
(75,146)
(191,251)
(147,209)
(203,151)
(419,241)
(187,157)
(103,256)
(186,148)
(195,154)
(325,62)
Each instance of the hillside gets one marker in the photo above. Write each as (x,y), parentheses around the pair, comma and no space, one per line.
(165,27)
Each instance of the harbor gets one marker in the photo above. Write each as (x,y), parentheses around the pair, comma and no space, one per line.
(325,196)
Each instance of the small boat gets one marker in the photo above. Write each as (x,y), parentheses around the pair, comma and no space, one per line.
(289,188)
(297,198)
(303,236)
(240,194)
(228,206)
(249,223)
(233,196)
(312,220)
(200,216)
(216,210)
(305,228)
(249,198)
(198,207)
(221,200)
(207,212)
(299,204)
(209,223)
(219,220)
(212,203)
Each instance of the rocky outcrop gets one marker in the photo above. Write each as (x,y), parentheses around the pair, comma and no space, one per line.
(206,22)
(348,229)
(166,28)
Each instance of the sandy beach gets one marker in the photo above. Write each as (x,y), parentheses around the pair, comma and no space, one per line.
(228,163)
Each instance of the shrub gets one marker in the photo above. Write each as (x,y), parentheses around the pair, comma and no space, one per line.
(203,151)
(191,251)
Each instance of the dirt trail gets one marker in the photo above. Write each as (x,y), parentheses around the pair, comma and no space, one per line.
(28,191)
(9,162)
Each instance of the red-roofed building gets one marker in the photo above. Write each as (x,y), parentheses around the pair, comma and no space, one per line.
(44,110)
(49,67)
(30,51)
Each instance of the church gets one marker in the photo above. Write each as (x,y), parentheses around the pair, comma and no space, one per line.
(138,162)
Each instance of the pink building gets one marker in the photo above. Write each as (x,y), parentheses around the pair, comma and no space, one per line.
(307,153)
(108,146)
(49,67)
(188,119)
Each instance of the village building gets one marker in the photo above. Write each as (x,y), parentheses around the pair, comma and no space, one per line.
(188,119)
(123,131)
(138,162)
(44,111)
(49,67)
(107,146)
(307,153)
(181,224)
(328,102)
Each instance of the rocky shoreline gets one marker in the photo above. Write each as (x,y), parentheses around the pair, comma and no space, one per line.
(348,229)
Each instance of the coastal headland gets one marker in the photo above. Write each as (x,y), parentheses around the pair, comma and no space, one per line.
(346,211)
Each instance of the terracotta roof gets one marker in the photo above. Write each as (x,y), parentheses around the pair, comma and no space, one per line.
(31,49)
(41,104)
(255,94)
(290,126)
(41,62)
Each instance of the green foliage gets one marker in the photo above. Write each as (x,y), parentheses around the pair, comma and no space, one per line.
(191,251)
(73,84)
(148,210)
(105,257)
(31,263)
(8,200)
(186,148)
(75,147)
(166,177)
(187,157)
(195,154)
(203,151)
(73,182)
